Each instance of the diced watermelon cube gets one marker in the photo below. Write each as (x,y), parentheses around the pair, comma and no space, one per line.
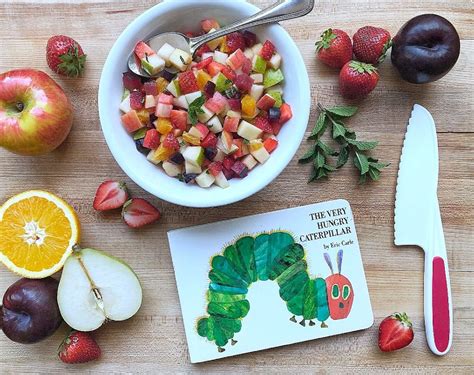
(266,102)
(203,129)
(210,141)
(152,139)
(163,110)
(204,63)
(215,168)
(150,88)
(217,103)
(228,73)
(131,121)
(286,113)
(142,50)
(243,82)
(231,124)
(214,68)
(137,100)
(165,99)
(240,169)
(243,148)
(179,119)
(270,144)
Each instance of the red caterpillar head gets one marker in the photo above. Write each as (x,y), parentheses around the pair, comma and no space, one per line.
(339,290)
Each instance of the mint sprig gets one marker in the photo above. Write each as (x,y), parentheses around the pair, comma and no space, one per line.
(350,147)
(195,109)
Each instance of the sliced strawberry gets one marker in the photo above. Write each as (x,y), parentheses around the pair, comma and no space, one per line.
(137,212)
(395,332)
(171,142)
(267,50)
(243,82)
(137,100)
(188,83)
(209,141)
(152,139)
(215,168)
(263,124)
(203,63)
(110,195)
(179,119)
(286,113)
(235,41)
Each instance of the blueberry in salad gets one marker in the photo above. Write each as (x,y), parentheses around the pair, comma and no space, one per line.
(210,119)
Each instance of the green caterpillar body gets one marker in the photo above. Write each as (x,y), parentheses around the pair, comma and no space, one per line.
(268,256)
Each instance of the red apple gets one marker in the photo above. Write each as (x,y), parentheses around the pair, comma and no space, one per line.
(35,113)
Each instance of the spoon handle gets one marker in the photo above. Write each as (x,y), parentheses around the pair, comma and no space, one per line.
(280,11)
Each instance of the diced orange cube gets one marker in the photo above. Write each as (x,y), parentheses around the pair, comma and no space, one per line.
(163,125)
(191,139)
(202,79)
(249,106)
(161,84)
(161,154)
(144,116)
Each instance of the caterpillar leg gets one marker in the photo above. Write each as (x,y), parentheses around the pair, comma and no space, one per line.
(324,325)
(303,323)
(311,323)
(233,342)
(220,349)
(293,319)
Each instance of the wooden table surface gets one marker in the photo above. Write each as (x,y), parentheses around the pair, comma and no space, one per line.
(153,341)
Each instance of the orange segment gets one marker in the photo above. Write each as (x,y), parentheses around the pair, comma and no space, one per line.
(37,233)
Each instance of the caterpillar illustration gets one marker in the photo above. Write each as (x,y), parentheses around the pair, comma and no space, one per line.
(270,256)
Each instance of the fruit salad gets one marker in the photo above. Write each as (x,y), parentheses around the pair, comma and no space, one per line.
(212,118)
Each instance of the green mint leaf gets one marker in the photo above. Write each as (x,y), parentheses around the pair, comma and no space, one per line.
(321,173)
(326,149)
(320,126)
(374,174)
(195,109)
(319,160)
(338,130)
(308,156)
(329,168)
(361,162)
(343,157)
(362,179)
(139,134)
(341,111)
(378,166)
(362,145)
(312,177)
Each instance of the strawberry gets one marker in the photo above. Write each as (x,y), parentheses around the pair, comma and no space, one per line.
(137,212)
(395,332)
(267,50)
(371,44)
(188,83)
(78,347)
(65,56)
(263,124)
(357,79)
(170,141)
(235,41)
(110,195)
(335,48)
(137,100)
(203,49)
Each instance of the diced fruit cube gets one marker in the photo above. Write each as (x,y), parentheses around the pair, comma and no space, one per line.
(229,73)
(191,97)
(274,114)
(286,113)
(194,155)
(278,98)
(221,181)
(204,51)
(231,124)
(226,142)
(205,179)
(160,154)
(205,115)
(172,169)
(257,77)
(207,58)
(235,41)
(163,110)
(180,59)
(149,88)
(236,59)
(249,54)
(235,104)
(203,130)
(171,142)
(165,53)
(165,99)
(259,65)
(152,139)
(257,48)
(266,102)
(249,105)
(243,82)
(248,131)
(150,101)
(275,61)
(209,24)
(240,169)
(137,100)
(272,77)
(179,119)
(249,162)
(209,89)
(131,121)
(270,144)
(181,102)
(267,50)
(214,68)
(163,125)
(263,124)
(125,105)
(214,125)
(222,82)
(242,148)
(246,66)
(202,78)
(213,44)
(177,158)
(217,103)
(215,168)
(131,81)
(144,116)
(228,162)
(256,92)
(192,138)
(192,169)
(258,151)
(276,126)
(210,141)
(187,82)
(161,84)
(220,57)
(173,88)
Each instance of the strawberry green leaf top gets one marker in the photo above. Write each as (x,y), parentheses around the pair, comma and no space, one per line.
(335,48)
(65,56)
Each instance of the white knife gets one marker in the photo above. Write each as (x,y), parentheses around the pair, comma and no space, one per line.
(418,222)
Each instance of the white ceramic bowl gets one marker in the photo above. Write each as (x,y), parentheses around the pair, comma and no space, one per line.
(184,15)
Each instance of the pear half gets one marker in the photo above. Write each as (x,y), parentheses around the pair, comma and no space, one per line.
(96,287)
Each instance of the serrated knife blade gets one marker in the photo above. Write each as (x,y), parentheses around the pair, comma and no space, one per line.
(418,222)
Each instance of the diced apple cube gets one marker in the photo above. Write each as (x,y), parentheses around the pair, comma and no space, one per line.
(249,53)
(191,168)
(163,110)
(249,162)
(259,65)
(234,114)
(220,57)
(257,77)
(206,115)
(172,169)
(181,102)
(213,44)
(173,88)
(276,88)
(214,125)
(153,64)
(125,105)
(165,53)
(221,181)
(257,48)
(266,102)
(191,97)
(275,61)
(258,151)
(180,59)
(248,131)
(150,101)
(205,179)
(206,55)
(194,155)
(256,92)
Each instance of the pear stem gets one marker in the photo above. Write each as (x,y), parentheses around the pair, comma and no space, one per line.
(94,289)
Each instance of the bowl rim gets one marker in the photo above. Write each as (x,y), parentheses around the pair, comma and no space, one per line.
(187,200)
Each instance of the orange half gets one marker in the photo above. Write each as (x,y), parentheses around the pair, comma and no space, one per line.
(37,233)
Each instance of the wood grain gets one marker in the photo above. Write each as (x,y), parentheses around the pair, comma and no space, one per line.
(153,341)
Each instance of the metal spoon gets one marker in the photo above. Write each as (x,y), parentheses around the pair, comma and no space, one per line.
(280,11)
